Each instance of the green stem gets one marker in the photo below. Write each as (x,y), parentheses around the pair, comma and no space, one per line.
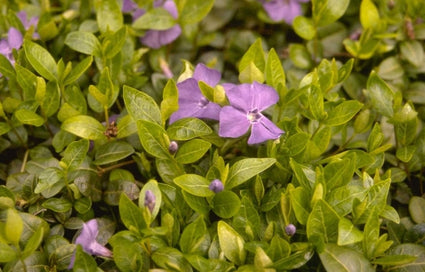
(24,161)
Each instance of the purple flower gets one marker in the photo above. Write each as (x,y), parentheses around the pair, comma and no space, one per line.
(247,101)
(13,41)
(156,38)
(173,147)
(279,10)
(87,239)
(192,103)
(216,186)
(150,200)
(290,229)
(33,21)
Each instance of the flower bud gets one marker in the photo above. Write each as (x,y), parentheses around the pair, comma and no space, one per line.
(173,147)
(150,200)
(290,229)
(216,186)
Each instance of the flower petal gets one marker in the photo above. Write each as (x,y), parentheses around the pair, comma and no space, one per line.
(189,91)
(157,38)
(88,234)
(171,7)
(233,122)
(275,9)
(210,111)
(263,96)
(5,49)
(128,6)
(185,110)
(14,38)
(264,130)
(207,75)
(99,250)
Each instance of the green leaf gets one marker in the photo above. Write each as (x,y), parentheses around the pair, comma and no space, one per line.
(50,182)
(194,184)
(417,251)
(326,12)
(380,95)
(348,233)
(60,205)
(128,256)
(156,18)
(250,74)
(390,68)
(85,127)
(154,139)
(112,152)
(296,260)
(405,153)
(169,103)
(78,70)
(171,259)
(195,238)
(188,128)
(26,80)
(226,204)
(114,43)
(254,55)
(75,153)
(338,258)
(417,209)
(141,106)
(41,60)
(29,117)
(304,27)
(83,42)
(343,113)
(369,14)
(322,223)
(131,215)
(300,200)
(83,261)
(413,51)
(195,10)
(231,243)
(7,253)
(51,99)
(14,226)
(192,151)
(6,67)
(196,203)
(108,15)
(394,260)
(275,75)
(300,56)
(304,175)
(245,169)
(126,127)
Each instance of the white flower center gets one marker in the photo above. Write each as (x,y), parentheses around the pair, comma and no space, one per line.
(203,102)
(253,116)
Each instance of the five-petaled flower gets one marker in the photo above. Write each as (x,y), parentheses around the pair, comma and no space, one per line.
(247,101)
(87,239)
(156,38)
(279,10)
(192,103)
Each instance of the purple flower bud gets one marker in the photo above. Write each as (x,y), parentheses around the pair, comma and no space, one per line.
(173,147)
(290,229)
(150,200)
(216,186)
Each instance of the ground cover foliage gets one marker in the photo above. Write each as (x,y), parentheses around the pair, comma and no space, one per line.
(212,135)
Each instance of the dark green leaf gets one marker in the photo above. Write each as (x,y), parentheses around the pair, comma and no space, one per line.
(112,152)
(225,204)
(245,169)
(192,151)
(154,139)
(188,128)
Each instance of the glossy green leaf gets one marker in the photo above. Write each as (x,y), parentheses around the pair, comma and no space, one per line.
(417,209)
(323,223)
(78,70)
(154,139)
(112,152)
(171,259)
(188,128)
(108,15)
(326,12)
(57,204)
(413,51)
(14,226)
(231,243)
(128,255)
(169,103)
(348,233)
(338,258)
(29,117)
(141,106)
(131,215)
(194,184)
(253,56)
(275,75)
(195,238)
(156,18)
(192,151)
(75,153)
(83,261)
(50,182)
(83,42)
(6,67)
(85,127)
(304,27)
(195,10)
(114,43)
(41,60)
(380,95)
(343,113)
(415,250)
(244,169)
(225,204)
(250,74)
(369,14)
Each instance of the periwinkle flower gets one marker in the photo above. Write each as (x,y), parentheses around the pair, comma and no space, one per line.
(156,38)
(14,40)
(192,103)
(150,200)
(247,101)
(286,10)
(87,239)
(290,229)
(27,23)
(216,186)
